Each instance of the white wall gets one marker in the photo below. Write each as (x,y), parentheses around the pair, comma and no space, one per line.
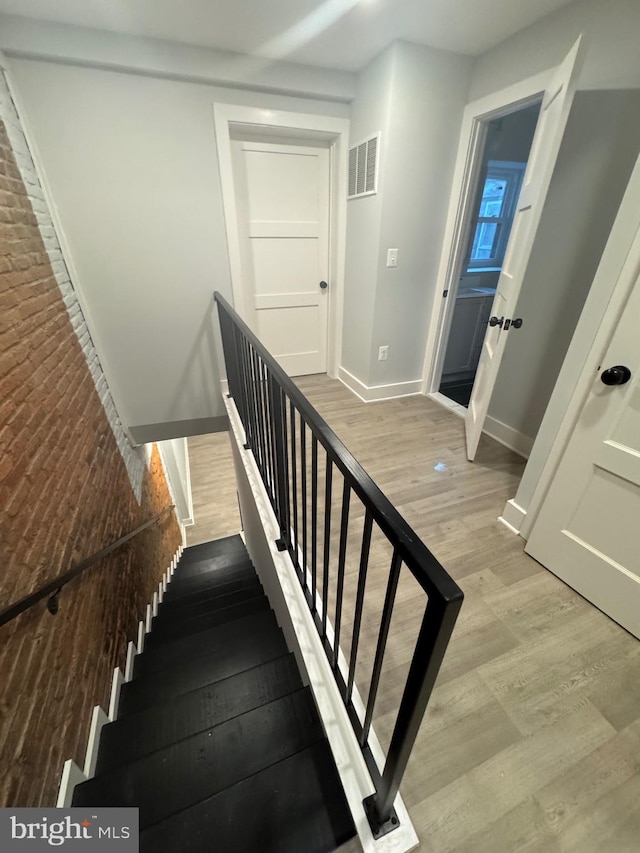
(428,97)
(416,96)
(175,457)
(598,152)
(612,60)
(131,163)
(369,114)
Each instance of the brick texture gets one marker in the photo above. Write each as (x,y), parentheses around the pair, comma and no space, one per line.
(65,492)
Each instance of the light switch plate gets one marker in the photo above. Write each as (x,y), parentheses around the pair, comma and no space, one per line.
(392,257)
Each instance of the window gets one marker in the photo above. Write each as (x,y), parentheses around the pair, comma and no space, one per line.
(492,225)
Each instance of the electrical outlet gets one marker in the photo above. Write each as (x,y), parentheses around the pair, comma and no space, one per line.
(392,257)
(383,353)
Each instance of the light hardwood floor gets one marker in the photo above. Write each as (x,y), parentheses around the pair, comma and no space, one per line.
(213,486)
(532,738)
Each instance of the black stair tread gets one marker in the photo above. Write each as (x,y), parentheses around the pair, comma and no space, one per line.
(220,662)
(175,595)
(181,775)
(218,565)
(228,544)
(295,805)
(133,737)
(163,631)
(176,610)
(211,577)
(178,601)
(250,631)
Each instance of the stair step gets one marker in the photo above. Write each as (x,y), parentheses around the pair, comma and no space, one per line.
(218,565)
(211,578)
(189,674)
(243,633)
(206,550)
(163,631)
(296,805)
(133,737)
(174,594)
(178,609)
(194,769)
(188,598)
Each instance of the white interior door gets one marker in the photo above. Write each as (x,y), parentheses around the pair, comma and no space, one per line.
(554,113)
(587,531)
(282,201)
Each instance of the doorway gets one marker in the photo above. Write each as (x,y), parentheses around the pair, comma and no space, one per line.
(262,127)
(503,161)
(282,204)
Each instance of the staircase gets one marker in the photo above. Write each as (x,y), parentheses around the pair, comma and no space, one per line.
(217,741)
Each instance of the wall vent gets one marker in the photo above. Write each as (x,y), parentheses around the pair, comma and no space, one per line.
(363,167)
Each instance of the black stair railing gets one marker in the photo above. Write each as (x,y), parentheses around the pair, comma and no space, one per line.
(303,466)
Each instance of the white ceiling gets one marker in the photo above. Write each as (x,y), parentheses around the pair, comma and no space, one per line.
(342,34)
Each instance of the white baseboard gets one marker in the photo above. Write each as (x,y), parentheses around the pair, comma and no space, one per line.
(71,773)
(71,776)
(376,393)
(513,516)
(116,683)
(508,436)
(447,403)
(98,720)
(132,651)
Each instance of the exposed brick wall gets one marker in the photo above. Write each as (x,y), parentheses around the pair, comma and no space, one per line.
(64,493)
(133,457)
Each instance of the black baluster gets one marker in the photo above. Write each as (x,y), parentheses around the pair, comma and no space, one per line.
(280,460)
(435,632)
(327,546)
(385,622)
(294,484)
(314,520)
(342,553)
(362,580)
(303,468)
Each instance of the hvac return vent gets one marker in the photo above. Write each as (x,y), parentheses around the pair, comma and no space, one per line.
(363,167)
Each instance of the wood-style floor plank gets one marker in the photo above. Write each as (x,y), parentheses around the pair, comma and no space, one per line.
(213,486)
(532,739)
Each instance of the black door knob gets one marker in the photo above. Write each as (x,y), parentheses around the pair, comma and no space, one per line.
(496,321)
(324,285)
(617,375)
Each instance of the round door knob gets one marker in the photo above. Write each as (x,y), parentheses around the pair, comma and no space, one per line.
(324,285)
(617,375)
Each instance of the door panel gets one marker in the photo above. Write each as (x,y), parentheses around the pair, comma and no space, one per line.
(588,529)
(286,329)
(283,211)
(287,266)
(553,117)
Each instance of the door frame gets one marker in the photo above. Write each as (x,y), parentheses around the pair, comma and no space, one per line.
(310,128)
(461,201)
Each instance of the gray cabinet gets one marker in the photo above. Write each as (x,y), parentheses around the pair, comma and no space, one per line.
(470,318)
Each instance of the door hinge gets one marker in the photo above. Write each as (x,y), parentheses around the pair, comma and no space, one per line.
(445,292)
